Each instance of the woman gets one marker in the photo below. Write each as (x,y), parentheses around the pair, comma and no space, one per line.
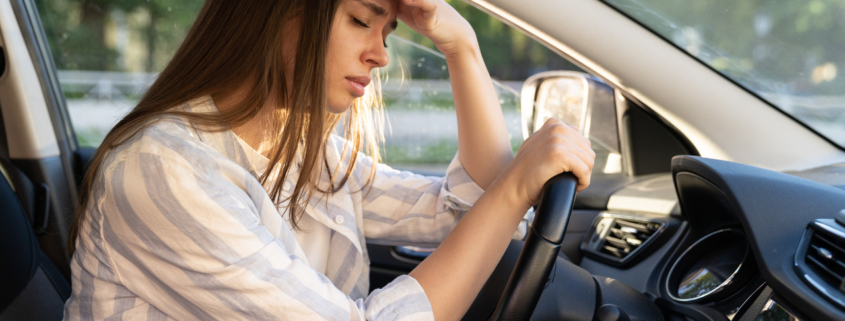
(224,195)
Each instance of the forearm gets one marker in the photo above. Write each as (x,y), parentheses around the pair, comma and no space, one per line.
(483,140)
(455,273)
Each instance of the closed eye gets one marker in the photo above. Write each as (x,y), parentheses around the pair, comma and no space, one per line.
(362,24)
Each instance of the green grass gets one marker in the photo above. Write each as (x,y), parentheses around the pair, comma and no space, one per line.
(90,137)
(438,152)
(434,100)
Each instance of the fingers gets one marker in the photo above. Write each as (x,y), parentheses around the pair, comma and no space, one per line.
(420,15)
(572,158)
(426,5)
(572,151)
(556,126)
(405,14)
(584,155)
(574,164)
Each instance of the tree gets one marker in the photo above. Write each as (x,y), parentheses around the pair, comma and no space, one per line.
(77,30)
(77,33)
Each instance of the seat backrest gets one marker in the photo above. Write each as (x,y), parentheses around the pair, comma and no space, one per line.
(31,287)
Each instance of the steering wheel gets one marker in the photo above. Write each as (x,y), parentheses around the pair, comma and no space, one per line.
(541,248)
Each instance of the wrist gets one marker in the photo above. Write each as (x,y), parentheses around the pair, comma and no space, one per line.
(460,48)
(507,194)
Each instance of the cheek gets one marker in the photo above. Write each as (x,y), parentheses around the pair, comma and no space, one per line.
(338,102)
(338,97)
(345,42)
(338,63)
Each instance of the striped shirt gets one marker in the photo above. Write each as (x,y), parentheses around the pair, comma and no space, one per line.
(178,227)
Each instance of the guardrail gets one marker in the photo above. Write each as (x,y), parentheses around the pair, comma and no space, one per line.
(105,84)
(125,85)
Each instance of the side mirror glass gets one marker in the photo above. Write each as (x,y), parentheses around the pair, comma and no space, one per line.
(580,100)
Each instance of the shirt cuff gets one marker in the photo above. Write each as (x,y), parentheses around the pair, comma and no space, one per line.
(459,192)
(522,229)
(402,299)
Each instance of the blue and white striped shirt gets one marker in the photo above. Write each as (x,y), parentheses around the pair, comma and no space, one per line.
(178,227)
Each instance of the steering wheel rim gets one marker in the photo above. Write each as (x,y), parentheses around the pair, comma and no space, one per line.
(538,255)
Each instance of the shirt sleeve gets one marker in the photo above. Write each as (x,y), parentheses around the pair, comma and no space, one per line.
(186,237)
(403,208)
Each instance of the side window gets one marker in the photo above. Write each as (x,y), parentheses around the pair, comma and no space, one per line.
(422,135)
(108,52)
(421,131)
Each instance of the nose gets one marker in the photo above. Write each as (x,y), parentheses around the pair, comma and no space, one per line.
(376,54)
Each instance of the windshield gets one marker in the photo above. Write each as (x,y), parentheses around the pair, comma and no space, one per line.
(787,52)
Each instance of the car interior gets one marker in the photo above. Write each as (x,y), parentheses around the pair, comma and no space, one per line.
(677,233)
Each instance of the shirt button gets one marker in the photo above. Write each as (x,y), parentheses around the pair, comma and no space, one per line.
(338,219)
(286,186)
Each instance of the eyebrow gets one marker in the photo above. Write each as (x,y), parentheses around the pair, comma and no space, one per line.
(379,11)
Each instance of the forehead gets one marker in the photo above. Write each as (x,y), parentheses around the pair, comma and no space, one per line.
(385,8)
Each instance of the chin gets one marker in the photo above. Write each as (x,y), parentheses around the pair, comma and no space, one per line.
(338,108)
(339,105)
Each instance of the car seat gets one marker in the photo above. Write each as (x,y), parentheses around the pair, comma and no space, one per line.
(31,287)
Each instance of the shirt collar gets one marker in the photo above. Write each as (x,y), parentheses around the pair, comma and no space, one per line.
(235,149)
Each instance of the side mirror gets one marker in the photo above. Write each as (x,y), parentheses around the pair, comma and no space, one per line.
(578,99)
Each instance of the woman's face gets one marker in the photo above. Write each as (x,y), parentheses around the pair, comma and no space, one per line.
(356,46)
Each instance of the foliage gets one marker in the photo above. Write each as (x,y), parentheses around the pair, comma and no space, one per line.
(98,34)
(508,53)
(141,35)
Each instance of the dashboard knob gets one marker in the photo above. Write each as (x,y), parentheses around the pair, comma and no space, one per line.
(840,217)
(611,312)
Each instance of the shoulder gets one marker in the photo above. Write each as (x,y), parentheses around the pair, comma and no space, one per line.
(170,139)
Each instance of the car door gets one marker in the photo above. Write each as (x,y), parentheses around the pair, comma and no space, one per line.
(37,135)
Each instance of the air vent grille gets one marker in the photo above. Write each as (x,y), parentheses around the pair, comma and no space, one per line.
(826,256)
(820,259)
(626,236)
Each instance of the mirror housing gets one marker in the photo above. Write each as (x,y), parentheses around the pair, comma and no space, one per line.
(580,100)
(577,98)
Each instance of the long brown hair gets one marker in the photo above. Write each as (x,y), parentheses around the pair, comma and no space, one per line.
(235,45)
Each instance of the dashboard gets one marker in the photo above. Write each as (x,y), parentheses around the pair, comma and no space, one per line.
(717,240)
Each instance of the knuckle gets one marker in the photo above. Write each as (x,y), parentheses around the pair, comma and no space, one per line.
(559,153)
(558,139)
(554,122)
(559,127)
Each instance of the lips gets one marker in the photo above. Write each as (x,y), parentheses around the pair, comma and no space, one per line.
(358,84)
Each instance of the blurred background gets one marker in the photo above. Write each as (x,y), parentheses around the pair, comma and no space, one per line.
(108,52)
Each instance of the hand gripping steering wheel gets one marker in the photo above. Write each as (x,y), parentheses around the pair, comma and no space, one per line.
(541,248)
